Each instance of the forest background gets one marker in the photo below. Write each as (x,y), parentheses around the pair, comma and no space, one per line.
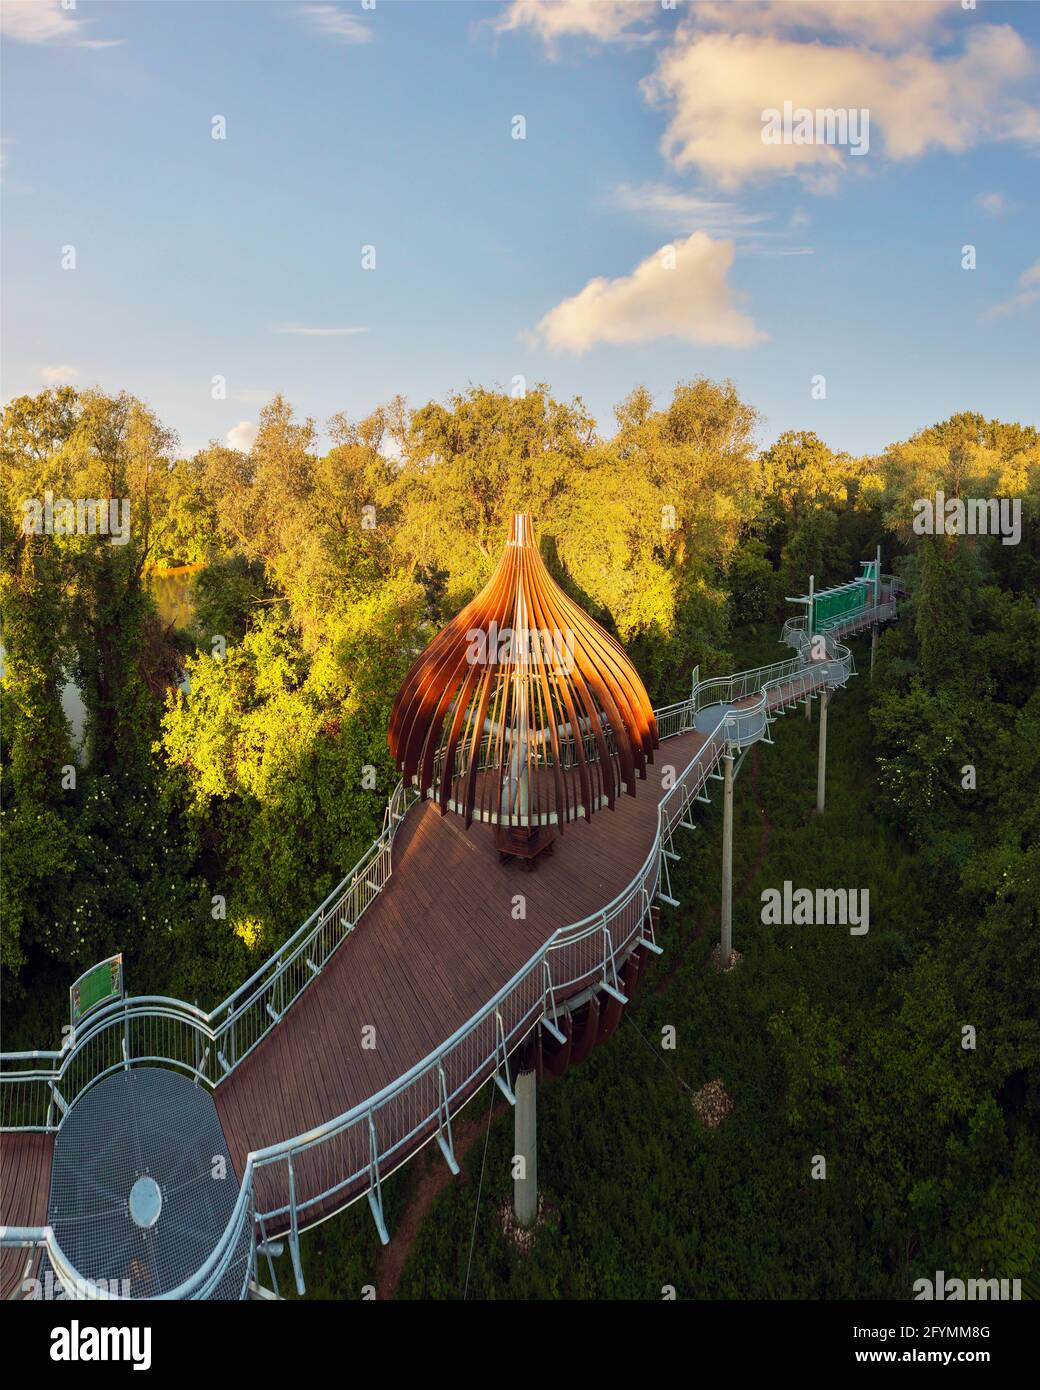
(319,576)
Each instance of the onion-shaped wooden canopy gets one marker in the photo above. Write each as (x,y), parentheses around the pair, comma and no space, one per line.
(522,711)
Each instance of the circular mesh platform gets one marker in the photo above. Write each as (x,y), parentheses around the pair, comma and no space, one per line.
(152,1124)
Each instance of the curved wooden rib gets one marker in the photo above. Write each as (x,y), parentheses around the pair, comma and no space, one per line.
(486,720)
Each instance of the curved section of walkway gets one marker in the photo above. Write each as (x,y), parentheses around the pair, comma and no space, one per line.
(451,928)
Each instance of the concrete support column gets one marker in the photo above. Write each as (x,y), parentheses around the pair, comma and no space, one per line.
(726,937)
(525,1147)
(808,708)
(821,762)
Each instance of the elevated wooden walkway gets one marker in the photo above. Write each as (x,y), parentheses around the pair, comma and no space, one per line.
(25,1185)
(439,941)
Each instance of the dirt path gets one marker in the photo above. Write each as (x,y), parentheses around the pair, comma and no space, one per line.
(433,1176)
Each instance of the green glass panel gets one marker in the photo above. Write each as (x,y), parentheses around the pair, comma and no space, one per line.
(95,987)
(835,604)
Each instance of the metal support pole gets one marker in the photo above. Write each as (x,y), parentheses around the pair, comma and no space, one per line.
(525,1146)
(726,938)
(821,762)
(877,577)
(809,634)
(694,683)
(873,647)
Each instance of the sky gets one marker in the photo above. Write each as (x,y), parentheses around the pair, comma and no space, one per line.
(642,230)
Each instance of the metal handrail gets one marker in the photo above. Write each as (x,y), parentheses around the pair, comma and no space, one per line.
(211,1044)
(620,924)
(797,678)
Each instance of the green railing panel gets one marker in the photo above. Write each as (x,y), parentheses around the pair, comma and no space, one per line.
(834,605)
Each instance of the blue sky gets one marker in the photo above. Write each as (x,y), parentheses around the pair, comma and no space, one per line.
(392,127)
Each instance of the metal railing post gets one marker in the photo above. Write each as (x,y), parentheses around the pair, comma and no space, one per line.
(375,1186)
(444,1138)
(294,1231)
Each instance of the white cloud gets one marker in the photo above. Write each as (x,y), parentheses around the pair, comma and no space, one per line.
(300,330)
(716,86)
(46,21)
(727,62)
(58,376)
(884,23)
(1028,293)
(605,21)
(691,301)
(681,208)
(993,203)
(242,436)
(682,211)
(334,23)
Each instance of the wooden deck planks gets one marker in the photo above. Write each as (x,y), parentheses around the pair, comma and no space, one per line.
(25,1185)
(431,950)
